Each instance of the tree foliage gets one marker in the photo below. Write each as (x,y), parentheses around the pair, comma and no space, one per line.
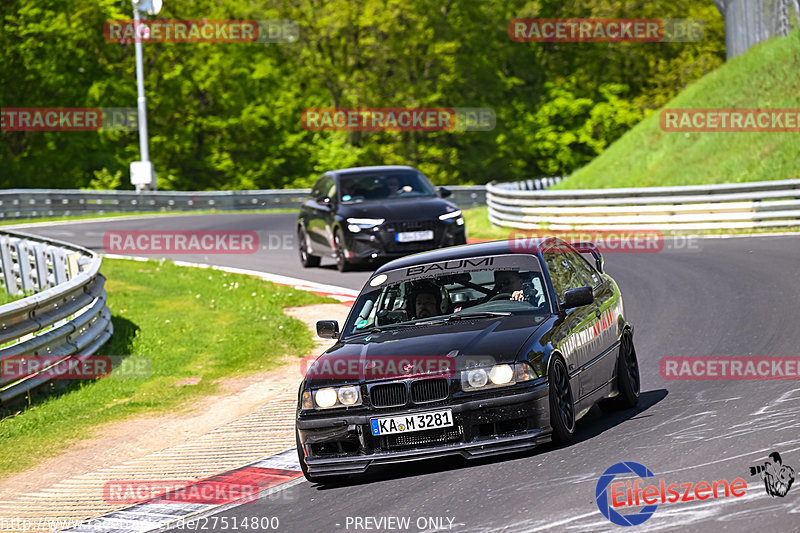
(227,116)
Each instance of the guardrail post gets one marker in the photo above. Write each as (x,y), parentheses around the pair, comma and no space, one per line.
(7,265)
(72,264)
(24,261)
(59,272)
(40,260)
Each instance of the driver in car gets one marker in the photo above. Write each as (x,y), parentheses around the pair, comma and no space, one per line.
(510,282)
(424,301)
(393,184)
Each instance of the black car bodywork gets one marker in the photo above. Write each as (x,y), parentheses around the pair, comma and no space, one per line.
(366,222)
(568,349)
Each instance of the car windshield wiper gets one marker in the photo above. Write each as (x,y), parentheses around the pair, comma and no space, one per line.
(460,316)
(386,327)
(478,314)
(435,320)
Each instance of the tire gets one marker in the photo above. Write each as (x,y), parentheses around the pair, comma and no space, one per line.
(628,381)
(306,259)
(322,480)
(341,261)
(562,406)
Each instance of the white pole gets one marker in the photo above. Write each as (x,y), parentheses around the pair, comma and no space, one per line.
(141,100)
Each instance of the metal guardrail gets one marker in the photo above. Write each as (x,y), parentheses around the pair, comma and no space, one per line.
(66,318)
(36,203)
(698,207)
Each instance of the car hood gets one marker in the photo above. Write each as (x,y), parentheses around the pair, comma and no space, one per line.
(497,341)
(425,208)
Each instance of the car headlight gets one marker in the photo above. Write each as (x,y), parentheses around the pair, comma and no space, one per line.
(496,376)
(452,214)
(348,395)
(357,224)
(460,221)
(477,378)
(325,398)
(331,397)
(501,374)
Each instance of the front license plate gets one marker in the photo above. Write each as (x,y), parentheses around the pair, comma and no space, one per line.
(413,236)
(410,423)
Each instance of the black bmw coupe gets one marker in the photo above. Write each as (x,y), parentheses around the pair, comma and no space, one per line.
(472,350)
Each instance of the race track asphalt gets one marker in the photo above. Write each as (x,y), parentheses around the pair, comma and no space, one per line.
(719,297)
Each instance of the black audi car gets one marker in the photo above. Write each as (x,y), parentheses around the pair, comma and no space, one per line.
(365,214)
(472,350)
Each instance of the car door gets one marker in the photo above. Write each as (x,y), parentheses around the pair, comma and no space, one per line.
(319,215)
(602,359)
(575,333)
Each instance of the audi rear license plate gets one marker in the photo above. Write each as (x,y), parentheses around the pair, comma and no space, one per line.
(409,423)
(413,236)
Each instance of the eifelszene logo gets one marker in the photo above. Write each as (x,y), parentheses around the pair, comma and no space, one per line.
(632,495)
(778,477)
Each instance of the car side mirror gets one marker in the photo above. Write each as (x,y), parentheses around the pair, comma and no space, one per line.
(324,200)
(328,329)
(578,297)
(445,192)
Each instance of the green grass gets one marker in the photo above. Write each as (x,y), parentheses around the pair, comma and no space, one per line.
(9,222)
(6,298)
(194,325)
(479,227)
(767,76)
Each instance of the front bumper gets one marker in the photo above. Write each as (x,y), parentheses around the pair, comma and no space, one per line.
(381,243)
(344,444)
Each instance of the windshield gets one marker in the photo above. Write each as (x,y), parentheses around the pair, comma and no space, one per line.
(384,186)
(476,288)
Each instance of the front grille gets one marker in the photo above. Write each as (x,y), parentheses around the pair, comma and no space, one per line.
(389,395)
(412,225)
(429,390)
(392,228)
(425,438)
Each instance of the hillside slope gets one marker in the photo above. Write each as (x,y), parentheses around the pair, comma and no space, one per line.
(767,76)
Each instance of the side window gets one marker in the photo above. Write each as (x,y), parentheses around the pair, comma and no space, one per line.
(330,188)
(585,271)
(316,191)
(562,270)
